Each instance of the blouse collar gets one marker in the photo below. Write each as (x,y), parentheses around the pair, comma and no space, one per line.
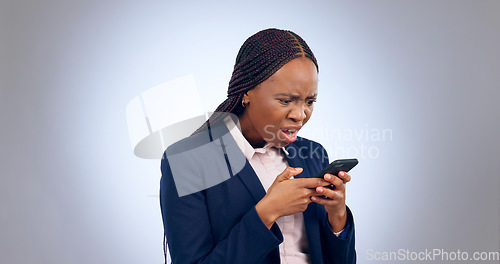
(242,142)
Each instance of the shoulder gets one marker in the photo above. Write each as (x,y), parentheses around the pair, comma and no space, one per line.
(198,141)
(189,143)
(202,160)
(179,160)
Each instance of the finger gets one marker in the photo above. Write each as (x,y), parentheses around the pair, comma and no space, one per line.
(311,182)
(335,181)
(288,173)
(330,194)
(325,201)
(338,183)
(345,176)
(329,177)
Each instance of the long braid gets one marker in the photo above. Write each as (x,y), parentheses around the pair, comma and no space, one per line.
(260,56)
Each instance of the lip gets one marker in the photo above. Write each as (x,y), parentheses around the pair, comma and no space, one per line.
(290,137)
(292,128)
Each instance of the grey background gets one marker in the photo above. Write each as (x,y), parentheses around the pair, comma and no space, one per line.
(72,191)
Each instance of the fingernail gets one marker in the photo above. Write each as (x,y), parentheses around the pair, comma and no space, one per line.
(328,176)
(298,169)
(320,190)
(341,173)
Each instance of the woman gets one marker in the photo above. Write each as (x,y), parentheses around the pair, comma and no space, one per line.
(269,209)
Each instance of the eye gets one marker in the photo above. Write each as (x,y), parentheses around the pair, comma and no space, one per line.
(310,102)
(285,101)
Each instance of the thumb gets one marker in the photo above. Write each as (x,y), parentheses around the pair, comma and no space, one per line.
(288,173)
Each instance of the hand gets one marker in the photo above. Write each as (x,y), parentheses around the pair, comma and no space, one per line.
(334,200)
(287,196)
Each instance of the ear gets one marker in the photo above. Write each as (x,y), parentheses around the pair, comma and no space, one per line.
(247,96)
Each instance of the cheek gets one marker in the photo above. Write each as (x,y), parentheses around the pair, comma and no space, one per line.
(309,112)
(271,119)
(264,117)
(268,112)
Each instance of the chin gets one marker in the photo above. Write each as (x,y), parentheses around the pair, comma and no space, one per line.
(280,144)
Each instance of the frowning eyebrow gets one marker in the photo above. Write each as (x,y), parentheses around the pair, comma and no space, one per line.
(296,96)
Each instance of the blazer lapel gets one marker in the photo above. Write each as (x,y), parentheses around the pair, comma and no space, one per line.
(251,181)
(249,178)
(246,175)
(238,163)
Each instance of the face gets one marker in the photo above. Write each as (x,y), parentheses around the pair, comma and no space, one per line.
(277,108)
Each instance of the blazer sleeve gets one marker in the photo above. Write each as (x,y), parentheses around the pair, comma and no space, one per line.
(189,235)
(336,249)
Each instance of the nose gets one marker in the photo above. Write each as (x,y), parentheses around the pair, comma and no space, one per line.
(298,113)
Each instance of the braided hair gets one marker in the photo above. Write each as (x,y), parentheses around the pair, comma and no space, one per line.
(260,56)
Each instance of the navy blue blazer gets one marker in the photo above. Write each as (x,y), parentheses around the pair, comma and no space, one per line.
(219,224)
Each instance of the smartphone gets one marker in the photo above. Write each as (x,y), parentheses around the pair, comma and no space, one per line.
(337,166)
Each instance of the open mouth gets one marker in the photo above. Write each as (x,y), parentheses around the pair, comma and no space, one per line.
(290,135)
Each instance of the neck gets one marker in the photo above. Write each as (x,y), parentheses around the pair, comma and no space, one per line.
(250,133)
